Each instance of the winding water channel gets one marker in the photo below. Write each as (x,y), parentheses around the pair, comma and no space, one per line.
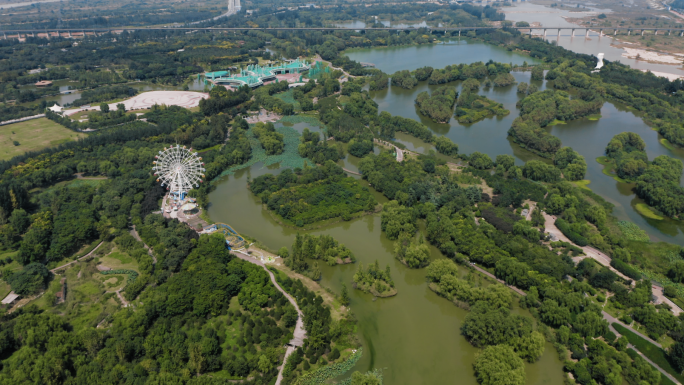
(415,336)
(588,137)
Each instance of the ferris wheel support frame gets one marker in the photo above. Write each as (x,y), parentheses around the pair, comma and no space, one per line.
(179,168)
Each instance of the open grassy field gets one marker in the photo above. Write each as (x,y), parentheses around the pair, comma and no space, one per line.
(4,289)
(33,135)
(119,260)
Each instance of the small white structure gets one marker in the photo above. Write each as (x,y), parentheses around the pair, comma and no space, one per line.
(11,297)
(56,109)
(600,61)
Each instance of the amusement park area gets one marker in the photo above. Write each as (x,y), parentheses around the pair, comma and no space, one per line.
(179,169)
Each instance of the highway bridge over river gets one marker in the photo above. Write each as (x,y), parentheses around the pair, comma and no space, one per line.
(81,32)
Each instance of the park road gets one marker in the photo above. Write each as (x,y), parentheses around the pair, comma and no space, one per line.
(300,332)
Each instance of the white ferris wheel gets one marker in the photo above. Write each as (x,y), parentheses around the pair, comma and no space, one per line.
(179,169)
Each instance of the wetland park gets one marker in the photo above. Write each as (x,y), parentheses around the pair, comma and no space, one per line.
(403,207)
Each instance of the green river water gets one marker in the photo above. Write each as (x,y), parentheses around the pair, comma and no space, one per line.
(414,337)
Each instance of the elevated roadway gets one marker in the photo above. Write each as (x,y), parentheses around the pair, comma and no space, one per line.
(75,32)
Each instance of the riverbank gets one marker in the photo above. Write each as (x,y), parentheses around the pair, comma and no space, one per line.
(658,53)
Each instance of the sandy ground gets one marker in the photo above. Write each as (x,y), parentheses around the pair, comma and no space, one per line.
(650,56)
(187,99)
(666,75)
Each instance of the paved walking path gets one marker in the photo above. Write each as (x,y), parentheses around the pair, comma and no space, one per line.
(22,119)
(609,318)
(121,297)
(83,257)
(300,332)
(351,172)
(400,152)
(612,319)
(666,374)
(135,235)
(549,224)
(485,272)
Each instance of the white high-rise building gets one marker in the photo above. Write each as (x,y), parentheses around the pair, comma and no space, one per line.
(234,6)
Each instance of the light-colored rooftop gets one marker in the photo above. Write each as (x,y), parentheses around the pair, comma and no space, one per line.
(11,297)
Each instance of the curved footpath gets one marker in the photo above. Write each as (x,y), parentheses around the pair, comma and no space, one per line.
(300,332)
(399,151)
(76,260)
(609,318)
(612,320)
(135,235)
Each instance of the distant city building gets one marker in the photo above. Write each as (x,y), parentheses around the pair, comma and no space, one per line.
(234,6)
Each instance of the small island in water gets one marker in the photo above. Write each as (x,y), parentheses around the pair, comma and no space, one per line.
(374,280)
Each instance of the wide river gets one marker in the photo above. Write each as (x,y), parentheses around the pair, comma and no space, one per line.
(414,337)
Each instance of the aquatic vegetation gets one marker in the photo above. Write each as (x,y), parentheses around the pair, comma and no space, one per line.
(645,210)
(313,195)
(131,274)
(327,372)
(301,118)
(289,158)
(632,231)
(374,377)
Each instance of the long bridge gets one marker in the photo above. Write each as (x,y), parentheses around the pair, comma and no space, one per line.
(76,32)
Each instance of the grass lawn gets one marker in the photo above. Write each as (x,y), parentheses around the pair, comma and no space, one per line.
(33,135)
(87,288)
(4,289)
(583,184)
(112,282)
(121,257)
(667,144)
(608,166)
(85,114)
(654,353)
(646,211)
(119,260)
(14,265)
